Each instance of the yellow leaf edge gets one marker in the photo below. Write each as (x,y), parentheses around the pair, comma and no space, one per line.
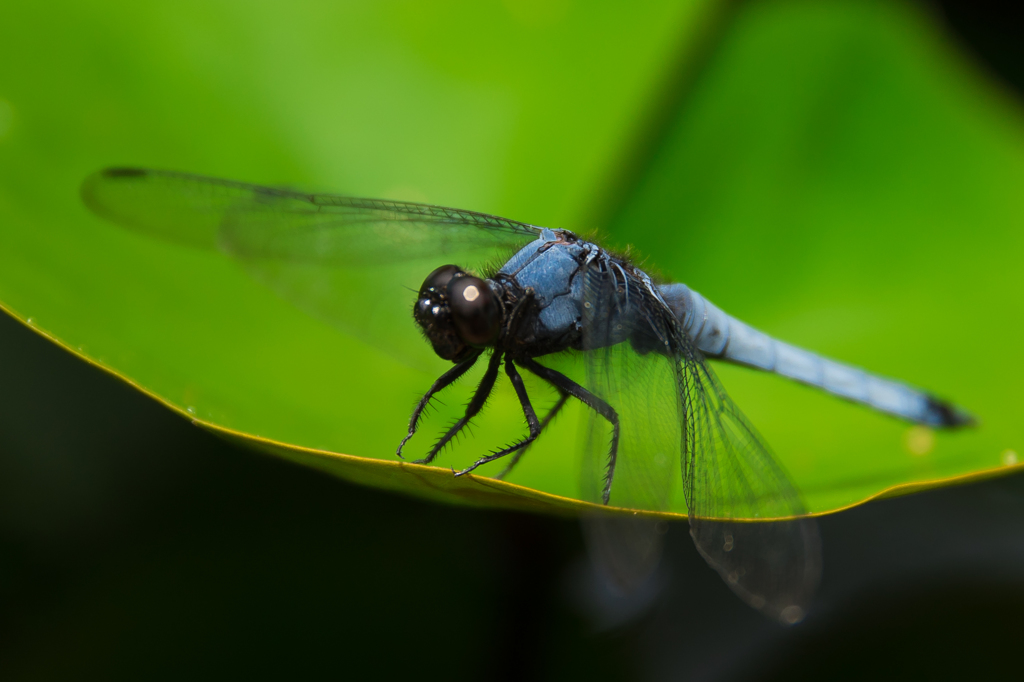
(439,484)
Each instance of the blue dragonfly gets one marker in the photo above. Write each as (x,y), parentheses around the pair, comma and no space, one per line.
(520,297)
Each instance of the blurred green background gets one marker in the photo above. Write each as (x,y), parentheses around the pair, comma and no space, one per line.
(839,174)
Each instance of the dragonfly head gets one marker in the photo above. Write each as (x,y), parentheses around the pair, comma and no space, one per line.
(458,312)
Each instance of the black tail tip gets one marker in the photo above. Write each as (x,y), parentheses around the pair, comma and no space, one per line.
(949,416)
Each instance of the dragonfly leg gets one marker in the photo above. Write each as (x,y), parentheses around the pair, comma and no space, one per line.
(531,421)
(443,382)
(483,391)
(552,413)
(564,383)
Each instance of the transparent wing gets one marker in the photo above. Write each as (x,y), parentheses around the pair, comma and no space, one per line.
(625,550)
(646,467)
(677,423)
(733,485)
(642,387)
(257,222)
(348,260)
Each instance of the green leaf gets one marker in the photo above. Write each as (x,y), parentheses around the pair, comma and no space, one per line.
(836,176)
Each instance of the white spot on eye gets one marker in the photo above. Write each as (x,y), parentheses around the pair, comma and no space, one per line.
(471,293)
(1009,457)
(792,614)
(919,440)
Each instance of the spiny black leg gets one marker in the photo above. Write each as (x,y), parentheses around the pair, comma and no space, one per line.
(443,382)
(531,420)
(563,396)
(564,383)
(483,391)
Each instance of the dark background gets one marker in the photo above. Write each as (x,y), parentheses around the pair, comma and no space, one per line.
(133,545)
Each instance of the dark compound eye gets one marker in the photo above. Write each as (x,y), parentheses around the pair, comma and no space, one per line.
(475,310)
(440,278)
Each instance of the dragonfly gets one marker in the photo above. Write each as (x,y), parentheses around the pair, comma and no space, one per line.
(516,297)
